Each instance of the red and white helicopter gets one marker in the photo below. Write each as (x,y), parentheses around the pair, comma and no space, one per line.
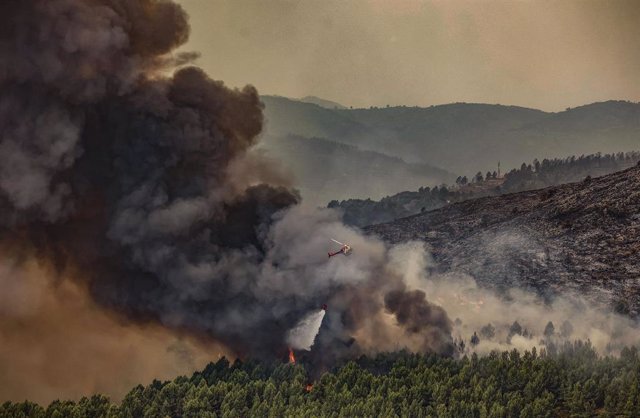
(345,249)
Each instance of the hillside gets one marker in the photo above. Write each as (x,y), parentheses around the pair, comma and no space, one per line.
(324,170)
(362,212)
(461,136)
(581,237)
(456,136)
(292,117)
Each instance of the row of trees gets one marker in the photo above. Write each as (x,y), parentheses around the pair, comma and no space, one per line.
(549,172)
(566,170)
(573,382)
(478,178)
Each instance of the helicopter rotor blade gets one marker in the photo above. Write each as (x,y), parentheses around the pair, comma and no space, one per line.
(337,242)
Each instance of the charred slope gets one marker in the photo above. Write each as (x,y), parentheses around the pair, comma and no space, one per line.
(582,237)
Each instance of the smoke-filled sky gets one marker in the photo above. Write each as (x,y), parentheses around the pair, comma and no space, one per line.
(543,54)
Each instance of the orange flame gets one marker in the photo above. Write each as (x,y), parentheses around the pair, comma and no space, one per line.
(309,387)
(292,357)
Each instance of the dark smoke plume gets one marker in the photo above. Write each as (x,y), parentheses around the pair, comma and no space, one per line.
(139,184)
(418,316)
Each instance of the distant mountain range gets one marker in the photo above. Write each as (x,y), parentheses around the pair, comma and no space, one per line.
(461,138)
(322,102)
(324,170)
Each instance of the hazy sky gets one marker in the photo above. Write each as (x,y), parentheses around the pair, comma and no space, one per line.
(544,54)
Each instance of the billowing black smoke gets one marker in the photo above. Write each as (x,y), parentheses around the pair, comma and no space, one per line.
(140,184)
(417,316)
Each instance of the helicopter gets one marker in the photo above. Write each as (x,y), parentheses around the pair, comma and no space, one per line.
(345,249)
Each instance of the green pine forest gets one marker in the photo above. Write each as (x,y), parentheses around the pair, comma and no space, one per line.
(572,382)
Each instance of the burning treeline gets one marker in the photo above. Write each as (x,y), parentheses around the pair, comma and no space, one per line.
(138,184)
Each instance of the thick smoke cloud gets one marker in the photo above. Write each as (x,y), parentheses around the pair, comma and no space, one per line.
(420,317)
(55,343)
(138,185)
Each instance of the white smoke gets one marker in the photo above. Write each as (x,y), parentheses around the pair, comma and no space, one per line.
(303,335)
(472,307)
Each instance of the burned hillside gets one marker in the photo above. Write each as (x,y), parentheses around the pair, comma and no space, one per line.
(581,238)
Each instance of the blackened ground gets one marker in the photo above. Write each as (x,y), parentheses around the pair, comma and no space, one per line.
(580,237)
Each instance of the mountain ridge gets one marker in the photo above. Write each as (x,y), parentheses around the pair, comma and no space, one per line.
(463,137)
(324,170)
(329,104)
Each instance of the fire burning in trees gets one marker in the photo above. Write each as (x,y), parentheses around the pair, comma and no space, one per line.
(292,357)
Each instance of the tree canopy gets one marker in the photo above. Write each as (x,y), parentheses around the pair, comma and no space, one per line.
(573,381)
